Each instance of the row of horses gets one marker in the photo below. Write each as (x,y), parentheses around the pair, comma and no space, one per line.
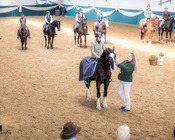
(153,23)
(49,31)
(150,28)
(83,30)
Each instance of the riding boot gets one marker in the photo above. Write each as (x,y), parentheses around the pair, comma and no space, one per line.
(143,28)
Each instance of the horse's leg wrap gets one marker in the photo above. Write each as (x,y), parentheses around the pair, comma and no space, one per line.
(88,94)
(98,96)
(105,95)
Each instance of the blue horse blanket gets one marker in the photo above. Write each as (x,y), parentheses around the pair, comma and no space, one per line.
(87,68)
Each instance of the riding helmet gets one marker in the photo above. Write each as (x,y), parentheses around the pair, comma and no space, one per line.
(47,12)
(98,34)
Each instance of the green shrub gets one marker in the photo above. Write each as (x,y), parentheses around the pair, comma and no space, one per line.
(153,57)
(161,54)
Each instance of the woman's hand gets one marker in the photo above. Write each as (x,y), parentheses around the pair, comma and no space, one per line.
(119,62)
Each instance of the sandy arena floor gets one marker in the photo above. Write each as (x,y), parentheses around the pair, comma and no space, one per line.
(40,91)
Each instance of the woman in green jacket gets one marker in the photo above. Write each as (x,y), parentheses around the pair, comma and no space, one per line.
(125,76)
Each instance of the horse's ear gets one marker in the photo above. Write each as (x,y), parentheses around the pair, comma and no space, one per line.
(106,50)
(113,48)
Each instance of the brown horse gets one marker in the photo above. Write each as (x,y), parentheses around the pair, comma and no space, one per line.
(23,34)
(81,30)
(102,27)
(150,27)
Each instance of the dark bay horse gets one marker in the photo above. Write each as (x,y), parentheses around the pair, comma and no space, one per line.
(102,75)
(167,27)
(102,27)
(50,32)
(150,28)
(82,30)
(23,34)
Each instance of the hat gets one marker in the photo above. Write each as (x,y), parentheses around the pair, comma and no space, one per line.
(69,130)
(98,34)
(148,5)
(80,9)
(47,12)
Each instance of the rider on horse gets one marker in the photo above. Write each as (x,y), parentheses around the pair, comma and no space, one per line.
(79,17)
(23,22)
(99,20)
(165,17)
(148,14)
(89,63)
(48,19)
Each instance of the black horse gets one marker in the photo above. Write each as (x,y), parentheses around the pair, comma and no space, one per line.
(167,27)
(23,34)
(50,32)
(82,30)
(102,75)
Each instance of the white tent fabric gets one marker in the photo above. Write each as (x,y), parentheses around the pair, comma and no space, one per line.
(105,14)
(5,10)
(130,14)
(85,10)
(41,2)
(40,8)
(69,8)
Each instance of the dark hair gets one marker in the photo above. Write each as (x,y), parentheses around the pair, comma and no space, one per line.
(22,14)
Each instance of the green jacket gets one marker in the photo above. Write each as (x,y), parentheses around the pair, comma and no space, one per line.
(127,69)
(97,49)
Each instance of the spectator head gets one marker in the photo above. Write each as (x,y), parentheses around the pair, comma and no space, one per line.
(22,14)
(166,8)
(70,131)
(148,6)
(123,133)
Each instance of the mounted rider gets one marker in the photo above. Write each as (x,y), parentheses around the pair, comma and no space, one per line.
(88,64)
(165,17)
(148,15)
(48,19)
(100,18)
(79,17)
(22,21)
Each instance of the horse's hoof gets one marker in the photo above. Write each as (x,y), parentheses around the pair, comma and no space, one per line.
(75,45)
(105,106)
(98,107)
(85,46)
(170,42)
(150,44)
(88,98)
(48,48)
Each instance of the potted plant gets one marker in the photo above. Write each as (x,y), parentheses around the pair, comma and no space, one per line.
(161,55)
(153,60)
